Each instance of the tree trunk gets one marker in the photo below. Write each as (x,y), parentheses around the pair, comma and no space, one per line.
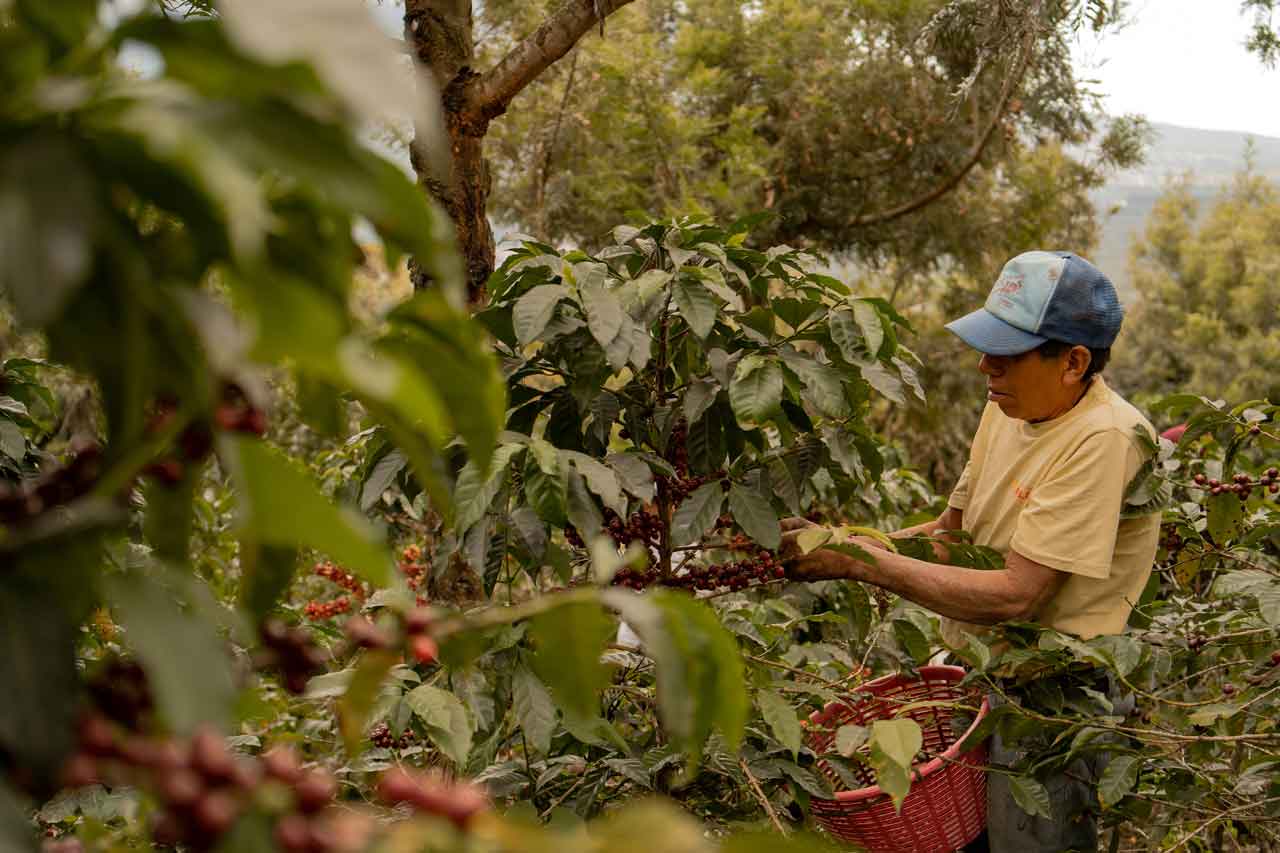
(440,35)
(439,32)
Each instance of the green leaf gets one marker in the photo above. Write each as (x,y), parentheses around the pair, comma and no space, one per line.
(441,343)
(568,642)
(380,478)
(535,712)
(38,671)
(599,477)
(699,396)
(1031,796)
(533,311)
(474,492)
(823,384)
(1226,517)
(696,305)
(845,334)
(362,692)
(582,510)
(893,778)
(849,738)
(604,311)
(185,659)
(879,378)
(17,833)
(756,390)
(12,442)
(781,717)
(445,720)
(912,639)
(342,43)
(169,516)
(756,516)
(47,219)
(812,538)
(266,571)
(696,514)
(1118,779)
(281,505)
(899,740)
(701,681)
(633,474)
(546,493)
(870,324)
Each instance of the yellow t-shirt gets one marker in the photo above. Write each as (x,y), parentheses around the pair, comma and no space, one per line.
(1053,492)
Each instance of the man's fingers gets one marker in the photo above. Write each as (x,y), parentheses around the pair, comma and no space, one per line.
(795,522)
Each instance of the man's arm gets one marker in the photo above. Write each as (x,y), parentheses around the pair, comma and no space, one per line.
(1017,591)
(951,519)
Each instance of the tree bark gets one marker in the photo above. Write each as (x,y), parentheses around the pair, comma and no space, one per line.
(440,35)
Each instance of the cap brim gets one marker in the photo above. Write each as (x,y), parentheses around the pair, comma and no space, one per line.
(987,333)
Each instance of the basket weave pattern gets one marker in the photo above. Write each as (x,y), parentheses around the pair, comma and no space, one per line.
(947,805)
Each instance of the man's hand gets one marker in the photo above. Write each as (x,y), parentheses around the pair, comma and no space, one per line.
(817,565)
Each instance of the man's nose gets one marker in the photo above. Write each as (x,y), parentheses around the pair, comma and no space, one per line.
(989,365)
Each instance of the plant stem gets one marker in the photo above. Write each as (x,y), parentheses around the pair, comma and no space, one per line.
(761,798)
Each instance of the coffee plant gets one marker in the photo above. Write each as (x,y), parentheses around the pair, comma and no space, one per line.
(508,581)
(170,235)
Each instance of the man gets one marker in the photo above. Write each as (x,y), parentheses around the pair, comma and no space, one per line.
(1044,485)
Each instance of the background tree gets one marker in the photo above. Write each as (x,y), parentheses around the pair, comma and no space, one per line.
(1264,40)
(1208,287)
(842,120)
(750,115)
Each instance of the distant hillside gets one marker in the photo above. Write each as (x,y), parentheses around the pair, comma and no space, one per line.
(1211,156)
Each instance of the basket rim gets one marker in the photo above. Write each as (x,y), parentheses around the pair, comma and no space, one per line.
(918,772)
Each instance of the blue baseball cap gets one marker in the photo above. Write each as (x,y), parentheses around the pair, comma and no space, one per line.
(1042,296)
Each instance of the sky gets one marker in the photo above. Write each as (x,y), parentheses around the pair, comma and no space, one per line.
(1183,62)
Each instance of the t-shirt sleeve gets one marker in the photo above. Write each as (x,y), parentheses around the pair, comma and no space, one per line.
(960,494)
(1070,520)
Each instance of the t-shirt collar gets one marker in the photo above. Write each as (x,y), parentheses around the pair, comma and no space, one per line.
(1093,395)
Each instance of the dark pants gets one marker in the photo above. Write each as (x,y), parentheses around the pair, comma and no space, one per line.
(1072,797)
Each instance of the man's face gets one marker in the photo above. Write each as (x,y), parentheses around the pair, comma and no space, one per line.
(1028,386)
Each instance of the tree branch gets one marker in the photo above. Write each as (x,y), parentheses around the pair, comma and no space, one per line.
(494,89)
(975,154)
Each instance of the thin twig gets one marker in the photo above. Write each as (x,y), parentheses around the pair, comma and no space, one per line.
(761,798)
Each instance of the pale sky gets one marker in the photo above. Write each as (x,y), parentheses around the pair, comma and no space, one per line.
(1183,62)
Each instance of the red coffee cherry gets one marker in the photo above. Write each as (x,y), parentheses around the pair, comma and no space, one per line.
(315,790)
(216,812)
(293,834)
(97,736)
(283,764)
(210,757)
(425,649)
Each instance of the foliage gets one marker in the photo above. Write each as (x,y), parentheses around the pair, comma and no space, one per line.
(826,114)
(1263,39)
(167,236)
(1207,290)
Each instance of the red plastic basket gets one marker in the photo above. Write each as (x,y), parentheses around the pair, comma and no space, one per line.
(947,805)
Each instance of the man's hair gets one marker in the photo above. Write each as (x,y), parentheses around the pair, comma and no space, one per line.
(1098,358)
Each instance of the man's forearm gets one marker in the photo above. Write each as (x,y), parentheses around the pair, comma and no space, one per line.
(951,519)
(970,595)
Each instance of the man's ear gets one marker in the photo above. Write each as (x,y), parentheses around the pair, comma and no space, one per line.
(1078,360)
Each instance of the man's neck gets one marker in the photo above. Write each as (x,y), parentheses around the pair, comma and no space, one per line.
(1084,389)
